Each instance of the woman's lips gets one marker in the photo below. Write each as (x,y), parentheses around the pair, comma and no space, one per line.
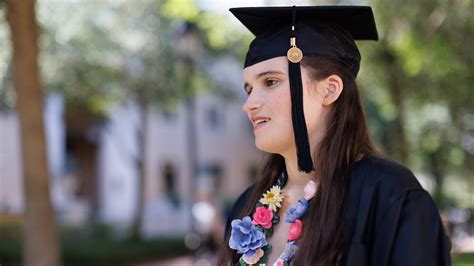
(260,125)
(259,121)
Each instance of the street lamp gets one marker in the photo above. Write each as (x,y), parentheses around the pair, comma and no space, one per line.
(188,44)
(188,48)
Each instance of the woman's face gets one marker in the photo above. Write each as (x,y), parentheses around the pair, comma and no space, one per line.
(268,106)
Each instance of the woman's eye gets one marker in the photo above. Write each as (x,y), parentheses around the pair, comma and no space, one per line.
(271,82)
(247,88)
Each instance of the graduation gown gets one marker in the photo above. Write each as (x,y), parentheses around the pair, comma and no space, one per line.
(390,218)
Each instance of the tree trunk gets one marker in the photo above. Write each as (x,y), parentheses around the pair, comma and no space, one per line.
(40,240)
(141,164)
(399,146)
(435,163)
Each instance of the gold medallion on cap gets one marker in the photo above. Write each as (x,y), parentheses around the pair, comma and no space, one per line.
(294,54)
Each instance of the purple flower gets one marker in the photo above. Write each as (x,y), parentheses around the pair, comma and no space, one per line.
(289,251)
(245,237)
(297,210)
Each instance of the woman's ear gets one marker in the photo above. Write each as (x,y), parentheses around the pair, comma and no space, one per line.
(333,90)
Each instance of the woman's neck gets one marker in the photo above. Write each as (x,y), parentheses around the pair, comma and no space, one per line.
(296,179)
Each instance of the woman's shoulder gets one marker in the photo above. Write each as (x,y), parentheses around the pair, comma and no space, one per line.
(237,208)
(242,199)
(390,213)
(241,202)
(382,174)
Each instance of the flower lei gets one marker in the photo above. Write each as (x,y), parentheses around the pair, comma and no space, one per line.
(248,236)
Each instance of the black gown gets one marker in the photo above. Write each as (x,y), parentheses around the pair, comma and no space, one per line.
(391,219)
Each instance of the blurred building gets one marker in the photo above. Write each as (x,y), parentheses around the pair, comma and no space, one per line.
(94,170)
(227,162)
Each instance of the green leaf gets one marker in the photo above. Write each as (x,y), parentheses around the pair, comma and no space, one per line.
(242,262)
(269,232)
(268,248)
(263,259)
(276,218)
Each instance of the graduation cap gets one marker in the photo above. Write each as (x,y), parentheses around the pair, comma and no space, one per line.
(295,32)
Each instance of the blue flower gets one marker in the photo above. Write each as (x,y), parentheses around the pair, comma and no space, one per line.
(245,237)
(289,251)
(297,210)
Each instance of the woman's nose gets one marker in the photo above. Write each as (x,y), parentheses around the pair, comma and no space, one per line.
(252,103)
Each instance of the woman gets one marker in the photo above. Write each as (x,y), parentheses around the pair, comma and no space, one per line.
(325,196)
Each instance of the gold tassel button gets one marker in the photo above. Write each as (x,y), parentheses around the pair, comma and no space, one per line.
(294,54)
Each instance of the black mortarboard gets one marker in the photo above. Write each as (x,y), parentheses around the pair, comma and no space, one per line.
(324,31)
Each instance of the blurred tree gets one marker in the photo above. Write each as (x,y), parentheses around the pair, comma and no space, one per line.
(420,78)
(82,59)
(40,242)
(109,54)
(105,54)
(6,67)
(151,80)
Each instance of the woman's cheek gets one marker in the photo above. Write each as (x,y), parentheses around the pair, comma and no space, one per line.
(278,137)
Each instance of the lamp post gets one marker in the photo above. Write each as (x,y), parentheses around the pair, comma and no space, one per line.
(188,48)
(134,69)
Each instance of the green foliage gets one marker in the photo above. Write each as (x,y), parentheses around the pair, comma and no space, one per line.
(82,55)
(463,259)
(422,53)
(110,252)
(7,97)
(95,245)
(220,35)
(104,54)
(180,9)
(101,54)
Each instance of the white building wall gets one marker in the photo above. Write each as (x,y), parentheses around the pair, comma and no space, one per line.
(167,144)
(55,133)
(11,174)
(118,151)
(11,185)
(231,144)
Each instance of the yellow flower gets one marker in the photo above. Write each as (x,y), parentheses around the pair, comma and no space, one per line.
(273,198)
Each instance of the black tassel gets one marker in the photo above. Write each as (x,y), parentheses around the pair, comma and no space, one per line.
(305,163)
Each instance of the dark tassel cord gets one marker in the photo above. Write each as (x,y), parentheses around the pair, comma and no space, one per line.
(305,162)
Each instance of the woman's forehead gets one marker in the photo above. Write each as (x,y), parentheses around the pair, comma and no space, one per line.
(273,65)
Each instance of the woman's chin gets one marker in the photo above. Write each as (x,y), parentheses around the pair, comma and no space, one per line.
(262,146)
(268,146)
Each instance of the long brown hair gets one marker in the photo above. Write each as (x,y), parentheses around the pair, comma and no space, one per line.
(345,141)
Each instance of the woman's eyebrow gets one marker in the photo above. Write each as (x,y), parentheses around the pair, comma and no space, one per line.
(271,72)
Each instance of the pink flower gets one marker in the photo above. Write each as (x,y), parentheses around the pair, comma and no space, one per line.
(258,254)
(295,230)
(279,262)
(310,190)
(263,217)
